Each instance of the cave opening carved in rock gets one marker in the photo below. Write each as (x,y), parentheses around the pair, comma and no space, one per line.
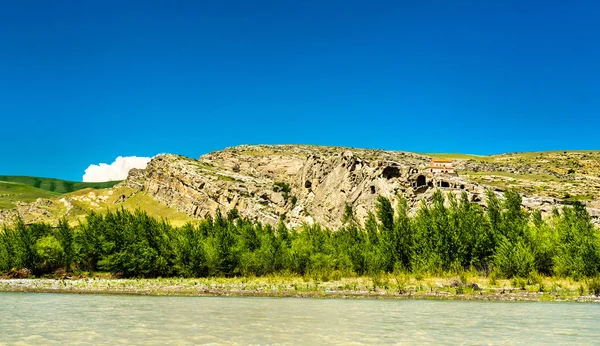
(421,181)
(391,172)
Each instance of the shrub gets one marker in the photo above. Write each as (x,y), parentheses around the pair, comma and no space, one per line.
(594,286)
(282,187)
(518,282)
(514,260)
(50,253)
(493,278)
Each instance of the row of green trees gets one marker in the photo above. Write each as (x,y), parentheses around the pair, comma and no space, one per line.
(442,237)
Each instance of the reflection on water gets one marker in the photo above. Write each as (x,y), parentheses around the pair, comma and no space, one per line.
(102,319)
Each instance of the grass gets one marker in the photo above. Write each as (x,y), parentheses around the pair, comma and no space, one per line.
(282,150)
(535,176)
(154,208)
(11,193)
(578,198)
(395,286)
(482,158)
(268,152)
(228,178)
(56,185)
(559,160)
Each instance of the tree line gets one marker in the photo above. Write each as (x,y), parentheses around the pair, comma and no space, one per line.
(450,237)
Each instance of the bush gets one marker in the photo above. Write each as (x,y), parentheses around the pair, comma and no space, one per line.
(281,186)
(519,283)
(594,286)
(514,260)
(50,253)
(284,188)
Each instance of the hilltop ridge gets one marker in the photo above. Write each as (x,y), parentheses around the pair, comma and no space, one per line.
(302,183)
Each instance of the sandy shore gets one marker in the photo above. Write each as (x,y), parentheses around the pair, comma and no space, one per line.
(362,287)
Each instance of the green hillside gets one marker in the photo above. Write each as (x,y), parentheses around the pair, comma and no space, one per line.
(27,189)
(576,162)
(56,185)
(11,192)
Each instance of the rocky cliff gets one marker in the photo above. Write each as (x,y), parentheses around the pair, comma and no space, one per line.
(310,184)
(300,183)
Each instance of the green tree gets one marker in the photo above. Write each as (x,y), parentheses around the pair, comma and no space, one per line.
(348,216)
(50,253)
(385,213)
(578,244)
(64,235)
(26,252)
(402,237)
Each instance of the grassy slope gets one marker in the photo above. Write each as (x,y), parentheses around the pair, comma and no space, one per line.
(10,193)
(137,201)
(154,208)
(576,164)
(56,185)
(23,191)
(481,158)
(584,163)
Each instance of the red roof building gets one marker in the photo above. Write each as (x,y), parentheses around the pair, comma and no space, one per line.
(441,166)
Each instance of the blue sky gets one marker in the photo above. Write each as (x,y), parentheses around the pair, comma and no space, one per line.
(83,82)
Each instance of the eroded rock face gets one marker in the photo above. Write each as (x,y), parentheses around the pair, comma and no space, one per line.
(318,181)
(8,216)
(36,211)
(311,184)
(475,166)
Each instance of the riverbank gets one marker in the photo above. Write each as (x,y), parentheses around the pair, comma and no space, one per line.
(384,287)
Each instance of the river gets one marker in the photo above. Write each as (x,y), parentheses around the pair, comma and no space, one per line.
(30,318)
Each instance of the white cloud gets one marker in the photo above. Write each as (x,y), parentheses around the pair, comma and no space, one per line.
(117,170)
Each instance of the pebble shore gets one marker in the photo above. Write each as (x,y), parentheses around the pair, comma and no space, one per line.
(442,289)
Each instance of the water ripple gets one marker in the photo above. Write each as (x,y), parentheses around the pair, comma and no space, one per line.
(49,319)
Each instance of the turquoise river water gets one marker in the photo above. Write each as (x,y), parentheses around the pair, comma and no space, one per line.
(46,319)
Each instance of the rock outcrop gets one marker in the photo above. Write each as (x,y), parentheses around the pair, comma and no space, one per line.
(299,184)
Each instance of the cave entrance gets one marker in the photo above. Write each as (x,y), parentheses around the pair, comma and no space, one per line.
(421,181)
(391,172)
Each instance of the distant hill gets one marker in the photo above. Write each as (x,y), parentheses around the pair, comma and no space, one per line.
(11,192)
(56,185)
(27,189)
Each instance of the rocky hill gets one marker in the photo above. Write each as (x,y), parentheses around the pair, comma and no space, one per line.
(297,183)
